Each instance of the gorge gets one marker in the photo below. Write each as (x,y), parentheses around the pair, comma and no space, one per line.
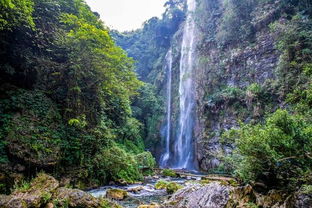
(209,105)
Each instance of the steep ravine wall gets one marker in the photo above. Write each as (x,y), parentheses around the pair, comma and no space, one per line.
(223,73)
(222,77)
(233,81)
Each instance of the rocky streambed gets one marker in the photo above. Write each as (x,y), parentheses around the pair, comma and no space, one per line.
(185,191)
(132,196)
(199,191)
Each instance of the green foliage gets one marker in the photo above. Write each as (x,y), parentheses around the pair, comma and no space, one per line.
(236,21)
(293,71)
(23,186)
(306,189)
(114,163)
(111,77)
(278,151)
(66,91)
(168,172)
(161,184)
(227,95)
(170,187)
(145,160)
(173,187)
(14,13)
(35,129)
(147,107)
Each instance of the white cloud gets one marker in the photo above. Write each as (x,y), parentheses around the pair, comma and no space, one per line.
(126,14)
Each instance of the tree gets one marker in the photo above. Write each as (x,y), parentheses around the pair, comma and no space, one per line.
(14,13)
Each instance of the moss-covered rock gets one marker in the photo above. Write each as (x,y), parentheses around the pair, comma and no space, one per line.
(153,205)
(241,196)
(117,194)
(38,192)
(172,187)
(34,131)
(161,184)
(44,191)
(74,198)
(169,172)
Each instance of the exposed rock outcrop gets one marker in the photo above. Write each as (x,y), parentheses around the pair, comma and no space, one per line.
(116,194)
(222,73)
(211,195)
(44,191)
(217,195)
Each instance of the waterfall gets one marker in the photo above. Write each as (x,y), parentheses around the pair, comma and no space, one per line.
(166,155)
(184,147)
(181,154)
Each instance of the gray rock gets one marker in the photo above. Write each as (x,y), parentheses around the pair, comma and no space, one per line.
(213,195)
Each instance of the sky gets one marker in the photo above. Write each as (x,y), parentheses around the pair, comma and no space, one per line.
(126,15)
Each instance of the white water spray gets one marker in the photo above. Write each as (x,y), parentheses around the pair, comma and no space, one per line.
(181,155)
(184,148)
(166,155)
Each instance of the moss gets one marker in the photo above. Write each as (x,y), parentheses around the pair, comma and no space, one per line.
(233,183)
(117,194)
(161,184)
(169,172)
(306,189)
(205,181)
(173,187)
(224,183)
(23,186)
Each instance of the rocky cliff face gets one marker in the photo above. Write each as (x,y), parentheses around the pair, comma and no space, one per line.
(230,77)
(234,75)
(236,71)
(233,79)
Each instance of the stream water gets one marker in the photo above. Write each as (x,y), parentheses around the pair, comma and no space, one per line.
(147,194)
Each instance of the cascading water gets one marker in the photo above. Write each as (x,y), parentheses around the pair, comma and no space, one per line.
(166,155)
(182,153)
(184,147)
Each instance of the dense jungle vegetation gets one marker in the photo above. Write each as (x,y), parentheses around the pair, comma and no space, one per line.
(66,92)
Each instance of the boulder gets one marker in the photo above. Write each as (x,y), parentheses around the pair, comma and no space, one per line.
(173,187)
(38,193)
(161,184)
(273,198)
(44,191)
(75,198)
(153,205)
(196,195)
(117,194)
(240,196)
(136,189)
(299,200)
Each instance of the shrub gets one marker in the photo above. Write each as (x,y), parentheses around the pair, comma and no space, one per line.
(278,152)
(114,163)
(168,172)
(172,187)
(146,162)
(161,184)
